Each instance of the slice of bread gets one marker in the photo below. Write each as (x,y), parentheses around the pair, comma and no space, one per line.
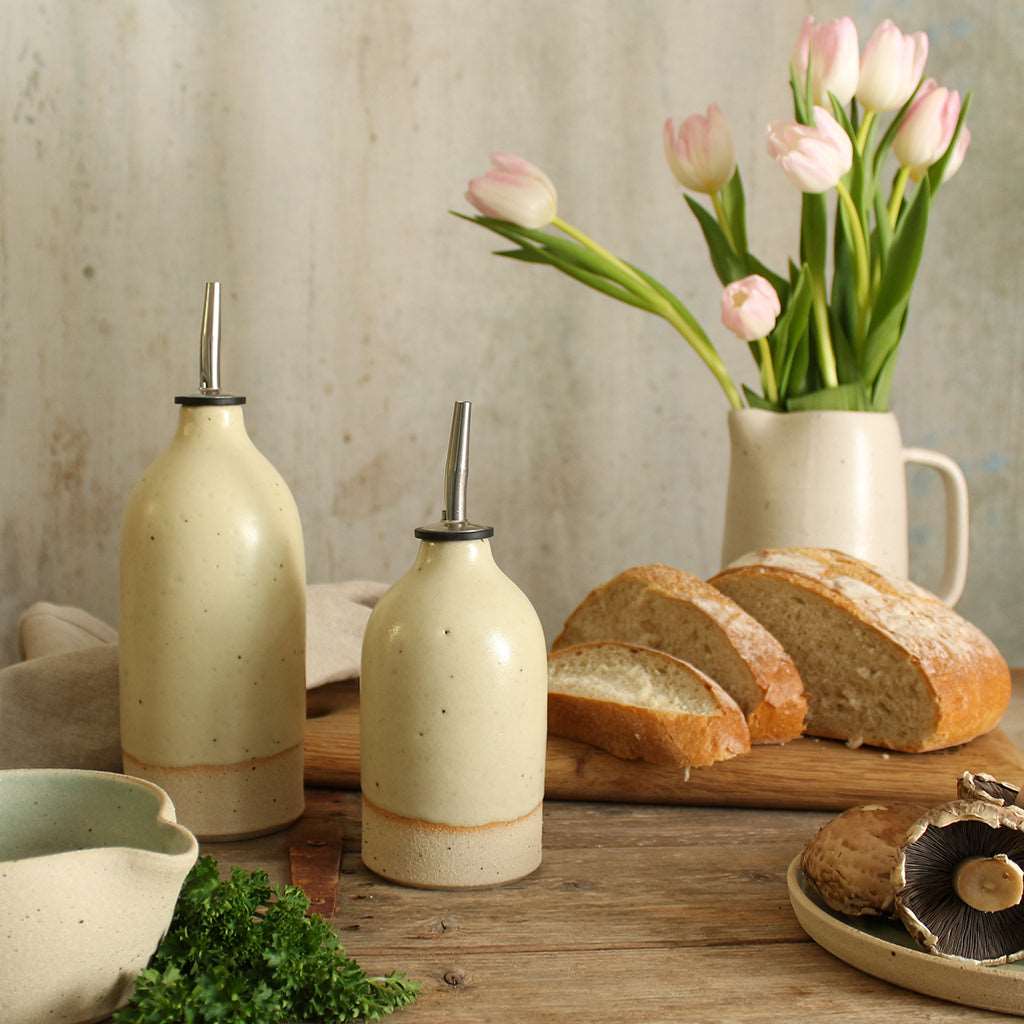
(638,703)
(883,661)
(672,611)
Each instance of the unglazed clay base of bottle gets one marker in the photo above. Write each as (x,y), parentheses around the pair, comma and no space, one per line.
(212,639)
(453,711)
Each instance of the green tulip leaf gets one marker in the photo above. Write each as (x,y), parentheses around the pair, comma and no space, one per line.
(791,334)
(847,398)
(756,401)
(674,301)
(844,121)
(894,290)
(882,238)
(728,266)
(591,280)
(735,208)
(859,176)
(843,296)
(814,234)
(883,385)
(778,343)
(847,369)
(798,378)
(856,177)
(564,250)
(801,95)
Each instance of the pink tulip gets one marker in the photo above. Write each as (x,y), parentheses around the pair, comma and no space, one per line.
(956,158)
(831,48)
(516,191)
(701,155)
(928,127)
(890,67)
(813,157)
(750,308)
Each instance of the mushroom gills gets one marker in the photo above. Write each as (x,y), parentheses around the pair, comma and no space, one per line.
(942,875)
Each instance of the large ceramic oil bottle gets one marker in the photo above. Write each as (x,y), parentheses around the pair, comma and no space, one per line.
(213,620)
(453,710)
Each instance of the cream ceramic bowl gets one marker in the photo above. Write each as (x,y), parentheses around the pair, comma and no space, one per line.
(91,864)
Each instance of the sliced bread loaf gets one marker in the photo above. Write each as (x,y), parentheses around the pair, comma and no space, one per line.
(883,661)
(639,703)
(672,611)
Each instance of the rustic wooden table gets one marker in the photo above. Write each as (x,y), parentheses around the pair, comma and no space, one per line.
(638,913)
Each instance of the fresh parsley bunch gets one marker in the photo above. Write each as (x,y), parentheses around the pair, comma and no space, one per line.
(244,952)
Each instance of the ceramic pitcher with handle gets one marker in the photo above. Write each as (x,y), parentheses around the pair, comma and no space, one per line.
(838,480)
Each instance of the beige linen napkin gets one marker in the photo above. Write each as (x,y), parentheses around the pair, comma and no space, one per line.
(58,707)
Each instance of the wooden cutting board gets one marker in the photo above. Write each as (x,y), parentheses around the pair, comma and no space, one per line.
(805,774)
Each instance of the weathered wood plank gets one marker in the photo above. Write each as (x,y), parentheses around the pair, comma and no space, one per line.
(806,773)
(735,984)
(623,877)
(314,859)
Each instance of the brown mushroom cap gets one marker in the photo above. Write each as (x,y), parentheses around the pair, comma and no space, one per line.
(932,897)
(850,860)
(981,786)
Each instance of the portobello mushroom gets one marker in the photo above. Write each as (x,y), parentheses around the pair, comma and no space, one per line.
(981,786)
(959,884)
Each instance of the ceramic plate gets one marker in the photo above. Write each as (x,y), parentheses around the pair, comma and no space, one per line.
(882,948)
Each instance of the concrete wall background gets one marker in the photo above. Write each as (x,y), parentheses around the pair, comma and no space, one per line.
(306,154)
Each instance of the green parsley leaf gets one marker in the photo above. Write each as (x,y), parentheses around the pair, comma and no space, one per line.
(242,951)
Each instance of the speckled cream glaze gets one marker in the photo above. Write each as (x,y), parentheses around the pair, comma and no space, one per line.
(453,713)
(213,630)
(91,864)
(786,469)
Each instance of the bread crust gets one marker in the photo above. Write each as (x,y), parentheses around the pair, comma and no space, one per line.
(669,738)
(966,677)
(779,715)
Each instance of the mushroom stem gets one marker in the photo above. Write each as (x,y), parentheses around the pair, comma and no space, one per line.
(989,883)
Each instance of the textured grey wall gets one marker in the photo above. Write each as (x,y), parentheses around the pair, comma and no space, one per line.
(306,154)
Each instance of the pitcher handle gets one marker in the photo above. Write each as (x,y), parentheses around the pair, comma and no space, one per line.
(955,574)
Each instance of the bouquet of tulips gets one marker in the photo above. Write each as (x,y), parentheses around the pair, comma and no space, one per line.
(818,343)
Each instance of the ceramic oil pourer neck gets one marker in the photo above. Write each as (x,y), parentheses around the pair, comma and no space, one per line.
(462,554)
(220,423)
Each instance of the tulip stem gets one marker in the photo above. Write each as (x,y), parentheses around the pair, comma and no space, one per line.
(860,248)
(771,391)
(826,357)
(659,305)
(864,131)
(896,199)
(723,221)
(639,285)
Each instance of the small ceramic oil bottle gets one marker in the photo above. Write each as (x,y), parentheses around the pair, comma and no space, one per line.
(453,709)
(213,620)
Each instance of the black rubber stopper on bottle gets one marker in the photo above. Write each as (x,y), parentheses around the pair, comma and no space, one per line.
(468,531)
(209,400)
